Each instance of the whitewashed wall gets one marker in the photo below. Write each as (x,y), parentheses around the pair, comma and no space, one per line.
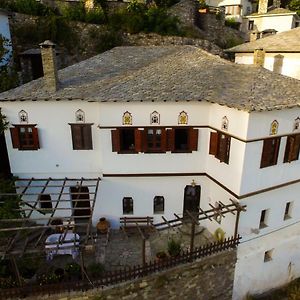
(290,67)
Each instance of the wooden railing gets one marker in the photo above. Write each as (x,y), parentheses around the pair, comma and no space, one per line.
(126,274)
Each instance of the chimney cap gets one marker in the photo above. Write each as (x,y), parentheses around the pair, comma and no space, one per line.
(47,44)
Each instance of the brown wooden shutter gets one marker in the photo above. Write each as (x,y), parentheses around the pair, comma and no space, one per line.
(115,140)
(213,144)
(270,152)
(289,149)
(144,140)
(138,140)
(296,147)
(276,150)
(228,142)
(170,136)
(35,136)
(223,148)
(193,139)
(77,137)
(14,132)
(87,137)
(163,140)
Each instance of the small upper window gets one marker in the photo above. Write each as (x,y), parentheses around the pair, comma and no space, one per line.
(127,118)
(80,116)
(155,118)
(270,152)
(183,118)
(296,124)
(225,123)
(268,255)
(251,25)
(274,127)
(127,206)
(23,117)
(158,204)
(220,146)
(292,148)
(82,136)
(263,218)
(287,211)
(25,137)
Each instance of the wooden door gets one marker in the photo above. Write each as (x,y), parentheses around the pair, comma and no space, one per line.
(79,205)
(191,199)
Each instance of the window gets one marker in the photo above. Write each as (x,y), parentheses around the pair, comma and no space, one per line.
(250,25)
(270,152)
(126,140)
(220,146)
(268,255)
(45,201)
(82,136)
(182,139)
(25,137)
(159,205)
(263,218)
(287,211)
(155,140)
(127,206)
(292,148)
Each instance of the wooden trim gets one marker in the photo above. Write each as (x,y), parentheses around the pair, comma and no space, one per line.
(208,176)
(203,127)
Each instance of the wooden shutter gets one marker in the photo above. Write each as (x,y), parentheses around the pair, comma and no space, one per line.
(213,144)
(193,139)
(289,149)
(138,140)
(115,140)
(296,147)
(35,136)
(144,140)
(77,137)
(87,137)
(270,152)
(163,140)
(14,132)
(170,136)
(224,148)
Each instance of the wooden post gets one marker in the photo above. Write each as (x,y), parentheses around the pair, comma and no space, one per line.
(15,270)
(236,223)
(82,264)
(144,251)
(192,236)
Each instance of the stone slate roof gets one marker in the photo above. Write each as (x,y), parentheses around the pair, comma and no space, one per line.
(286,41)
(173,73)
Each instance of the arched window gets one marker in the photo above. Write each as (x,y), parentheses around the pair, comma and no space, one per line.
(225,123)
(127,118)
(183,118)
(296,124)
(159,204)
(127,206)
(155,118)
(274,127)
(23,117)
(80,116)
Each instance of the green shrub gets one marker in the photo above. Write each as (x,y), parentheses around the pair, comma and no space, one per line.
(174,247)
(73,269)
(74,12)
(8,282)
(95,16)
(231,22)
(294,5)
(30,7)
(165,3)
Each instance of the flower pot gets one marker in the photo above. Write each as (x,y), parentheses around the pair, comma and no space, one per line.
(103,226)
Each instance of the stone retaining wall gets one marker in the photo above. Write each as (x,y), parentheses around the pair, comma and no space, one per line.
(206,279)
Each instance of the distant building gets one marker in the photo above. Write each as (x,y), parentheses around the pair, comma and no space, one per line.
(5,32)
(281,52)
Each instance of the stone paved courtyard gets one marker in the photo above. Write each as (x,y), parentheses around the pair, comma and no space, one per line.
(122,251)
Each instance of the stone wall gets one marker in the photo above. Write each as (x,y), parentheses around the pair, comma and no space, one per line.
(185,11)
(206,279)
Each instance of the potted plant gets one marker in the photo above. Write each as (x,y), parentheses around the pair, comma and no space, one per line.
(174,248)
(103,226)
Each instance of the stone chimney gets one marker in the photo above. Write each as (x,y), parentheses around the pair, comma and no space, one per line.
(259,57)
(278,63)
(262,6)
(254,35)
(49,66)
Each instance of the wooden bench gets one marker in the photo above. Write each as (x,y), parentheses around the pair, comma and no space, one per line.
(135,223)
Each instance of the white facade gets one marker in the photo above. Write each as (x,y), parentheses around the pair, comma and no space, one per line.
(5,32)
(290,62)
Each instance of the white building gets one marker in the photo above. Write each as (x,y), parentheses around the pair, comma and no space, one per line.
(281,52)
(150,121)
(5,32)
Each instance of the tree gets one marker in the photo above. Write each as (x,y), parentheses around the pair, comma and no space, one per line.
(295,6)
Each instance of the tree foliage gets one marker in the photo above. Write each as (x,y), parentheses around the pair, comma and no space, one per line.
(294,5)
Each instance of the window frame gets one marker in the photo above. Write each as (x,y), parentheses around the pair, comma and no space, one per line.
(45,204)
(162,140)
(19,142)
(268,255)
(84,140)
(126,204)
(273,159)
(155,210)
(287,210)
(264,214)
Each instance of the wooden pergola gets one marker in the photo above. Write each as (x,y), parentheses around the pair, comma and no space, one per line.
(70,204)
